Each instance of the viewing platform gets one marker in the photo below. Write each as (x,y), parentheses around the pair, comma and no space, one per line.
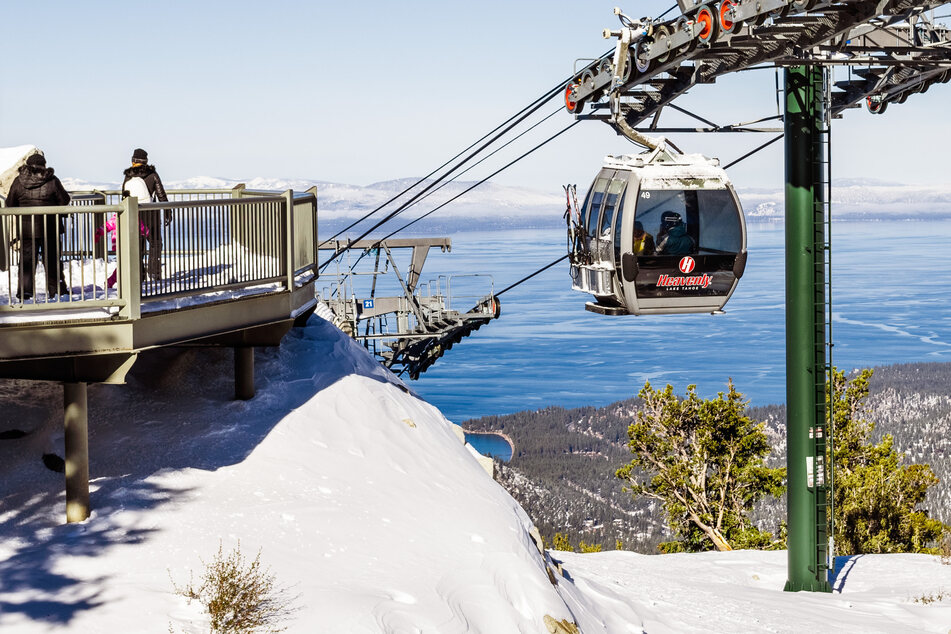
(237,268)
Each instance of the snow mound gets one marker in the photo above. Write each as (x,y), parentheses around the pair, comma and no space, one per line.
(359,496)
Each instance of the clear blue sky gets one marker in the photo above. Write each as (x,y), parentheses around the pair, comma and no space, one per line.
(365,91)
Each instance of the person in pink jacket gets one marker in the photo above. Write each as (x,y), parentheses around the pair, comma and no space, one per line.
(110,227)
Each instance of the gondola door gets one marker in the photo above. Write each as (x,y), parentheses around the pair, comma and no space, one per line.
(596,275)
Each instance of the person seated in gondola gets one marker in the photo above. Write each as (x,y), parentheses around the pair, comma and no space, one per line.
(643,241)
(672,237)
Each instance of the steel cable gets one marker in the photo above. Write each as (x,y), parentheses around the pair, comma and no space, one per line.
(546,97)
(518,118)
(468,189)
(482,160)
(530,276)
(531,110)
(473,186)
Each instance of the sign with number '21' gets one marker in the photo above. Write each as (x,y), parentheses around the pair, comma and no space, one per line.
(368,303)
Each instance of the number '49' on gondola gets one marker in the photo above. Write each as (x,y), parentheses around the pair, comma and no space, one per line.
(658,233)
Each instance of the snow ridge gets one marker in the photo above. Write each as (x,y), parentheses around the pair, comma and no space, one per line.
(335,467)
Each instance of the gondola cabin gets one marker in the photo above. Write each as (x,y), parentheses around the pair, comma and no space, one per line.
(658,233)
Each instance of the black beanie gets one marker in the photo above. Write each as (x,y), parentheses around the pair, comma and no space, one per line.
(140,156)
(36,160)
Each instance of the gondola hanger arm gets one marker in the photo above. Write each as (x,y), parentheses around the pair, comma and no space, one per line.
(630,32)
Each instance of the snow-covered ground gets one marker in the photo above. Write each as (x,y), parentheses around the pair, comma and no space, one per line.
(359,495)
(741,591)
(361,499)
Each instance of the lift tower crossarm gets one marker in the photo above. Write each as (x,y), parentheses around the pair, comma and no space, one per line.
(647,72)
(420,246)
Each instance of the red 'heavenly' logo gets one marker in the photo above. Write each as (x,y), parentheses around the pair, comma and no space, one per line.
(703,281)
(687,264)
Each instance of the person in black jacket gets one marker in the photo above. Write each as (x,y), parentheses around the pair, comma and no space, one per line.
(37,186)
(132,185)
(675,240)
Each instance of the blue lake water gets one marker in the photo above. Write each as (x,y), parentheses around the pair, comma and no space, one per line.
(890,300)
(491,445)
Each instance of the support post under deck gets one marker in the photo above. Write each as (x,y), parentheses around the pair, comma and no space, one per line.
(77,451)
(244,373)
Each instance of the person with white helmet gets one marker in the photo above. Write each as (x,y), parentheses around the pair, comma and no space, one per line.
(143,182)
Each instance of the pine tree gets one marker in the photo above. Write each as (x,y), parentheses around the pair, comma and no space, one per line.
(585,547)
(876,495)
(560,542)
(705,461)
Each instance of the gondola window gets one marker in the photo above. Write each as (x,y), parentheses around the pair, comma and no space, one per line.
(593,210)
(610,205)
(719,222)
(653,204)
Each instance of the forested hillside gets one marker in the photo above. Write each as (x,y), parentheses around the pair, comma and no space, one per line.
(562,470)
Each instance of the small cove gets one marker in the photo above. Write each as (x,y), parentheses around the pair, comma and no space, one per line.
(492,445)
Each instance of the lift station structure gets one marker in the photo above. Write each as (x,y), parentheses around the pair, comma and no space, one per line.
(411,329)
(893,50)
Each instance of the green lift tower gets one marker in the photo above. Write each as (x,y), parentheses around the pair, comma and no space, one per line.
(808,327)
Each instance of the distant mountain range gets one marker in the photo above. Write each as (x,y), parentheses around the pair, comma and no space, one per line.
(861,199)
(492,205)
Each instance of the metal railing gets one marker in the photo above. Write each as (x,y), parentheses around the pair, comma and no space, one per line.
(43,258)
(212,244)
(446,297)
(107,253)
(471,289)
